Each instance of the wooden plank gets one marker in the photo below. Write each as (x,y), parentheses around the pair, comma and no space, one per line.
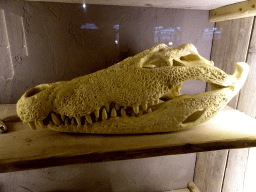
(209,170)
(247,99)
(236,178)
(236,34)
(247,104)
(235,170)
(250,174)
(230,45)
(234,11)
(22,148)
(184,4)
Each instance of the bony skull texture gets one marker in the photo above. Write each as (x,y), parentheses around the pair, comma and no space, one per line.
(124,98)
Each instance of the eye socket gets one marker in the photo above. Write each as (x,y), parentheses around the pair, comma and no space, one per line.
(190,57)
(155,61)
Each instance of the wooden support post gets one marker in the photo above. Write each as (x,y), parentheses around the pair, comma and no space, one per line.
(234,11)
(230,45)
(209,170)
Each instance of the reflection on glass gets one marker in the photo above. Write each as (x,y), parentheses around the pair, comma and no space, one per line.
(208,33)
(163,35)
(116,27)
(89,26)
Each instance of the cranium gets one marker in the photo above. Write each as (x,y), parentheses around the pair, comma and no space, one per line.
(124,98)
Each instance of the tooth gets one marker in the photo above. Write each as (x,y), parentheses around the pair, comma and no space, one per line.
(123,112)
(88,119)
(104,114)
(107,107)
(144,106)
(97,113)
(140,112)
(73,122)
(55,119)
(136,109)
(78,120)
(117,107)
(32,125)
(63,117)
(151,102)
(156,101)
(149,110)
(113,113)
(66,121)
(41,123)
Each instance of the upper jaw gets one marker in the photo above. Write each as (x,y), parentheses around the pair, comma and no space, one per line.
(117,114)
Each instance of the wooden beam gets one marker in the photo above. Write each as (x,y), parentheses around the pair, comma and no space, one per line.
(234,11)
(250,174)
(209,170)
(235,170)
(230,45)
(247,99)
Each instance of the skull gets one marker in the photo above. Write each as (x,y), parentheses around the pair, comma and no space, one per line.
(126,97)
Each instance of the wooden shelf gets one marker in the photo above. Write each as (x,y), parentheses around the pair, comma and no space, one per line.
(219,10)
(184,4)
(22,148)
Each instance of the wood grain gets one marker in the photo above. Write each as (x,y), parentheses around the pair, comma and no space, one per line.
(234,11)
(209,170)
(235,170)
(250,174)
(22,148)
(230,45)
(247,99)
(246,104)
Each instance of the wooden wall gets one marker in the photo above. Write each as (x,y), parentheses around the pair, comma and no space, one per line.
(232,170)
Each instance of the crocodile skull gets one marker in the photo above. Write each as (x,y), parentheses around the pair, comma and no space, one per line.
(124,98)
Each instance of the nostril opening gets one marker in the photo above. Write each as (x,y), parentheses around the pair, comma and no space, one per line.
(36,90)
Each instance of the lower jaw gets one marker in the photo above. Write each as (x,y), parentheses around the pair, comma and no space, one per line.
(167,116)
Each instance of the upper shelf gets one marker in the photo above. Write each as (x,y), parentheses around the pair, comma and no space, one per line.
(219,10)
(22,148)
(184,4)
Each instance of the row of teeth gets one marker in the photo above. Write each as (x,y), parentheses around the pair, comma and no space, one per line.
(98,115)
